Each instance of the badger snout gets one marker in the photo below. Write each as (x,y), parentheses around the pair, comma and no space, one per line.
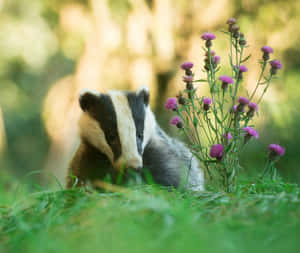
(137,168)
(133,163)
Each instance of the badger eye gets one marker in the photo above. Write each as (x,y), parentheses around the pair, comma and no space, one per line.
(140,136)
(111,137)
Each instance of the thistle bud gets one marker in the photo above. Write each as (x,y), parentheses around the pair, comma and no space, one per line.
(181,99)
(252,109)
(175,121)
(242,41)
(235,31)
(231,22)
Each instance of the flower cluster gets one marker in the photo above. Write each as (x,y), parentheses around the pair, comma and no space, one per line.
(218,126)
(188,78)
(233,28)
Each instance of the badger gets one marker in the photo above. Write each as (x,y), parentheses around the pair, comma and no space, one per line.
(118,130)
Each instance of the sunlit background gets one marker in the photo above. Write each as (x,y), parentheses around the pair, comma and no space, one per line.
(50,49)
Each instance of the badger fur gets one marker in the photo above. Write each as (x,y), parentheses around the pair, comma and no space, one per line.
(118,129)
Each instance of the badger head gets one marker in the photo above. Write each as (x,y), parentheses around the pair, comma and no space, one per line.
(119,124)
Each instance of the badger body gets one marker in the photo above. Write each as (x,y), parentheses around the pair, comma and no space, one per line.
(118,130)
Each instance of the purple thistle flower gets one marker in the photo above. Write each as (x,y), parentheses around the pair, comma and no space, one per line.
(266,52)
(206,103)
(243,101)
(171,104)
(187,65)
(252,109)
(176,122)
(276,149)
(250,132)
(216,59)
(216,151)
(226,79)
(267,49)
(252,106)
(188,79)
(276,64)
(208,36)
(243,68)
(227,137)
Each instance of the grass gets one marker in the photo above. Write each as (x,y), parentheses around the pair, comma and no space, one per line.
(262,217)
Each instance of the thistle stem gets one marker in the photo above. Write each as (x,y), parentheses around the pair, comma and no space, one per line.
(259,79)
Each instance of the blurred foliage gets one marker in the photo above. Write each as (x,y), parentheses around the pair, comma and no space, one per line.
(49,49)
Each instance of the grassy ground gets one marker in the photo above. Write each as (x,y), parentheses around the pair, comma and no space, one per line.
(262,217)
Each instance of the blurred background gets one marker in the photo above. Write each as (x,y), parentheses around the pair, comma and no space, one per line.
(50,49)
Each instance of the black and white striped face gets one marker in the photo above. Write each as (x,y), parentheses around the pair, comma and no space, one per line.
(119,124)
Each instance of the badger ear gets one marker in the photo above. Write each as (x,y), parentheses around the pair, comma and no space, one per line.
(143,92)
(88,98)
